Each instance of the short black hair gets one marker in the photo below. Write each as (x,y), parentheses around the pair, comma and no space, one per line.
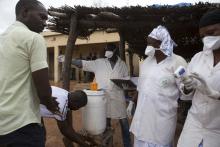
(111,46)
(79,97)
(28,4)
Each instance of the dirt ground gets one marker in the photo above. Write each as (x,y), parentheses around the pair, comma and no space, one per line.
(54,137)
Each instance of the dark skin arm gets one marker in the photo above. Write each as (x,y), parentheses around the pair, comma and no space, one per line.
(41,81)
(70,133)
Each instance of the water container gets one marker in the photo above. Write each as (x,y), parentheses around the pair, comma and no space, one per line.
(94,113)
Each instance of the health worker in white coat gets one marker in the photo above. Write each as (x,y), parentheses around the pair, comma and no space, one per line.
(202,126)
(105,69)
(154,121)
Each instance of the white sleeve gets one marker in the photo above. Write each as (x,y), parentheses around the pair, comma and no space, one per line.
(62,99)
(89,65)
(38,54)
(44,111)
(47,114)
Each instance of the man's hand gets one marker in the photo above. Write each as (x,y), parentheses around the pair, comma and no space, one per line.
(189,82)
(88,140)
(53,106)
(91,142)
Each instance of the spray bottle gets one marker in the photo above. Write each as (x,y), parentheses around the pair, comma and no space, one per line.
(94,85)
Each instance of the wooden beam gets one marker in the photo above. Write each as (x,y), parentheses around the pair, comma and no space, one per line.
(57,14)
(73,33)
(129,24)
(112,24)
(109,15)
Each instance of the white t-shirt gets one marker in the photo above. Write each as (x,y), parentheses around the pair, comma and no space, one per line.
(62,99)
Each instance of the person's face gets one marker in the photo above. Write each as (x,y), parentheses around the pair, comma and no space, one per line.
(211,30)
(113,51)
(36,18)
(153,42)
(74,108)
(74,105)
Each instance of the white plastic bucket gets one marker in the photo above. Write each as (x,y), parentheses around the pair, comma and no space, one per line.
(94,113)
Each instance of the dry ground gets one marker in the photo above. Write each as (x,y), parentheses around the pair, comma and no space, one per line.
(54,137)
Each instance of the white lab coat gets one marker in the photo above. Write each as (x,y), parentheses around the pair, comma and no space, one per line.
(62,99)
(155,117)
(116,105)
(203,119)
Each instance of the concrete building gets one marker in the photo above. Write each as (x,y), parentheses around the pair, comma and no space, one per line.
(56,44)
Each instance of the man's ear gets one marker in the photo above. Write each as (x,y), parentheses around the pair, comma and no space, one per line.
(24,13)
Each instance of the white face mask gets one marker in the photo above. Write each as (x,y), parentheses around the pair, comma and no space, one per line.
(108,54)
(211,42)
(150,51)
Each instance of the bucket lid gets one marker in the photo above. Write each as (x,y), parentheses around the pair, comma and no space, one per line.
(91,92)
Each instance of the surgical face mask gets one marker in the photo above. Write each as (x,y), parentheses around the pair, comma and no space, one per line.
(108,54)
(150,51)
(211,42)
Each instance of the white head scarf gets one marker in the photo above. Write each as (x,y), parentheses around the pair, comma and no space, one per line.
(162,34)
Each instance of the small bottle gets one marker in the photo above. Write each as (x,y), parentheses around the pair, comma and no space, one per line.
(93,86)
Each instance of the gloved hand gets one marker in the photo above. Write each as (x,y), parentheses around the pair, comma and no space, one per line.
(129,108)
(204,88)
(189,82)
(61,58)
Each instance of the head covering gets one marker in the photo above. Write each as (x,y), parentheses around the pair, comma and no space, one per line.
(210,18)
(162,34)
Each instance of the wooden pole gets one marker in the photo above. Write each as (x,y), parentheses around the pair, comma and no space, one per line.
(122,46)
(67,66)
(68,52)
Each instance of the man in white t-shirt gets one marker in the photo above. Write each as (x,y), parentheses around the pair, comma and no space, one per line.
(68,101)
